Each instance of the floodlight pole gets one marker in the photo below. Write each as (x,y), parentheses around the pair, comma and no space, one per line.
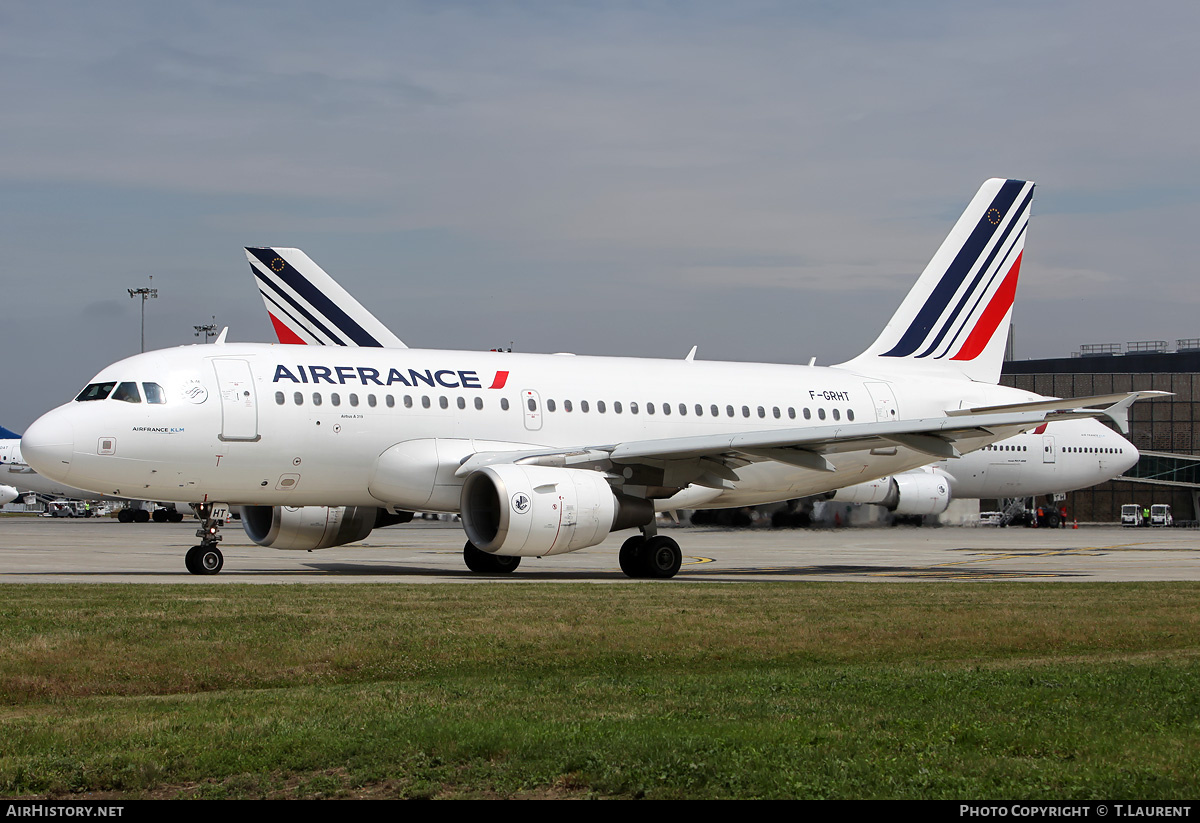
(144,292)
(208,329)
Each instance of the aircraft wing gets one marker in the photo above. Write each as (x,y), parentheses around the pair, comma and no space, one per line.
(1116,405)
(710,459)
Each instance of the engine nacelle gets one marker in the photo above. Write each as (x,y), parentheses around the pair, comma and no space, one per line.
(908,493)
(314,527)
(512,509)
(8,494)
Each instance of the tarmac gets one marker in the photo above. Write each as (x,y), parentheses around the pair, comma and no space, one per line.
(57,550)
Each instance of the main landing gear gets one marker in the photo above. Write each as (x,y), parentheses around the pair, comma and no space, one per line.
(207,558)
(480,561)
(650,555)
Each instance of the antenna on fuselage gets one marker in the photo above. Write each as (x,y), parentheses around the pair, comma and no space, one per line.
(220,341)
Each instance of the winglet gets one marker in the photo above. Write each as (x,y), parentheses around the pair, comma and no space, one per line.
(1118,413)
(306,305)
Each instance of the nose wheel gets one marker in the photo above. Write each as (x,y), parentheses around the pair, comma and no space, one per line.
(207,558)
(204,560)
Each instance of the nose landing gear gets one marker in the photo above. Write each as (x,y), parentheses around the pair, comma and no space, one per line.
(207,558)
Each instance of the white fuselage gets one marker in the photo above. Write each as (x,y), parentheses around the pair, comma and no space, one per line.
(15,472)
(265,424)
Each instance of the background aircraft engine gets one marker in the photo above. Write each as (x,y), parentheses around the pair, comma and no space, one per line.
(915,493)
(542,510)
(314,527)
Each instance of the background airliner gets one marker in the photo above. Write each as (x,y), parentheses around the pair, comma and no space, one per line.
(1060,457)
(545,454)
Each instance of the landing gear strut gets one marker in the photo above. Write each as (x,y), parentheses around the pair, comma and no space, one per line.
(480,561)
(650,555)
(207,558)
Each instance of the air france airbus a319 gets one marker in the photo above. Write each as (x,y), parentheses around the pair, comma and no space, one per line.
(547,454)
(308,307)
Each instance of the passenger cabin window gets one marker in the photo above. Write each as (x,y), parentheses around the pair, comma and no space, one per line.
(154,393)
(96,391)
(127,392)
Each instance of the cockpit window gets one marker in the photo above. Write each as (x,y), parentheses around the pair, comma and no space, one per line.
(96,391)
(154,393)
(127,392)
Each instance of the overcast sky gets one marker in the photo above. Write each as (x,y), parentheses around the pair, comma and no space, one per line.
(764,180)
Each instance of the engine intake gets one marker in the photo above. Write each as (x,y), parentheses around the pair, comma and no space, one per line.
(539,510)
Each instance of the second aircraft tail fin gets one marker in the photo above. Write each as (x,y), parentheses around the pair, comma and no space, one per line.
(954,321)
(306,305)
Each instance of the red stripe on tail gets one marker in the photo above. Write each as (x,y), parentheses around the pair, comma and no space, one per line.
(285,334)
(989,321)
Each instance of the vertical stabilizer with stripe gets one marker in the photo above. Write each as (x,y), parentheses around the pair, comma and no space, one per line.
(954,321)
(306,305)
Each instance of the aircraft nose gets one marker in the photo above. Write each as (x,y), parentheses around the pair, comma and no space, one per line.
(47,445)
(1127,453)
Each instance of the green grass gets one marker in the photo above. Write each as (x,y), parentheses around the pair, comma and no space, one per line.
(659,690)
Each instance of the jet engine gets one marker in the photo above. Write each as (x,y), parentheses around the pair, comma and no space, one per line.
(314,527)
(542,510)
(908,493)
(8,494)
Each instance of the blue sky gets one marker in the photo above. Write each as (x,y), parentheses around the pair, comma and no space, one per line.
(764,180)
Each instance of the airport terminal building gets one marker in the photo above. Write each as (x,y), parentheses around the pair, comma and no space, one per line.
(1166,431)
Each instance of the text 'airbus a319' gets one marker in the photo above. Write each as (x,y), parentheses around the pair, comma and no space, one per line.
(547,454)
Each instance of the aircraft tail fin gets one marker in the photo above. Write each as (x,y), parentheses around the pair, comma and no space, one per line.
(307,306)
(6,434)
(955,320)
